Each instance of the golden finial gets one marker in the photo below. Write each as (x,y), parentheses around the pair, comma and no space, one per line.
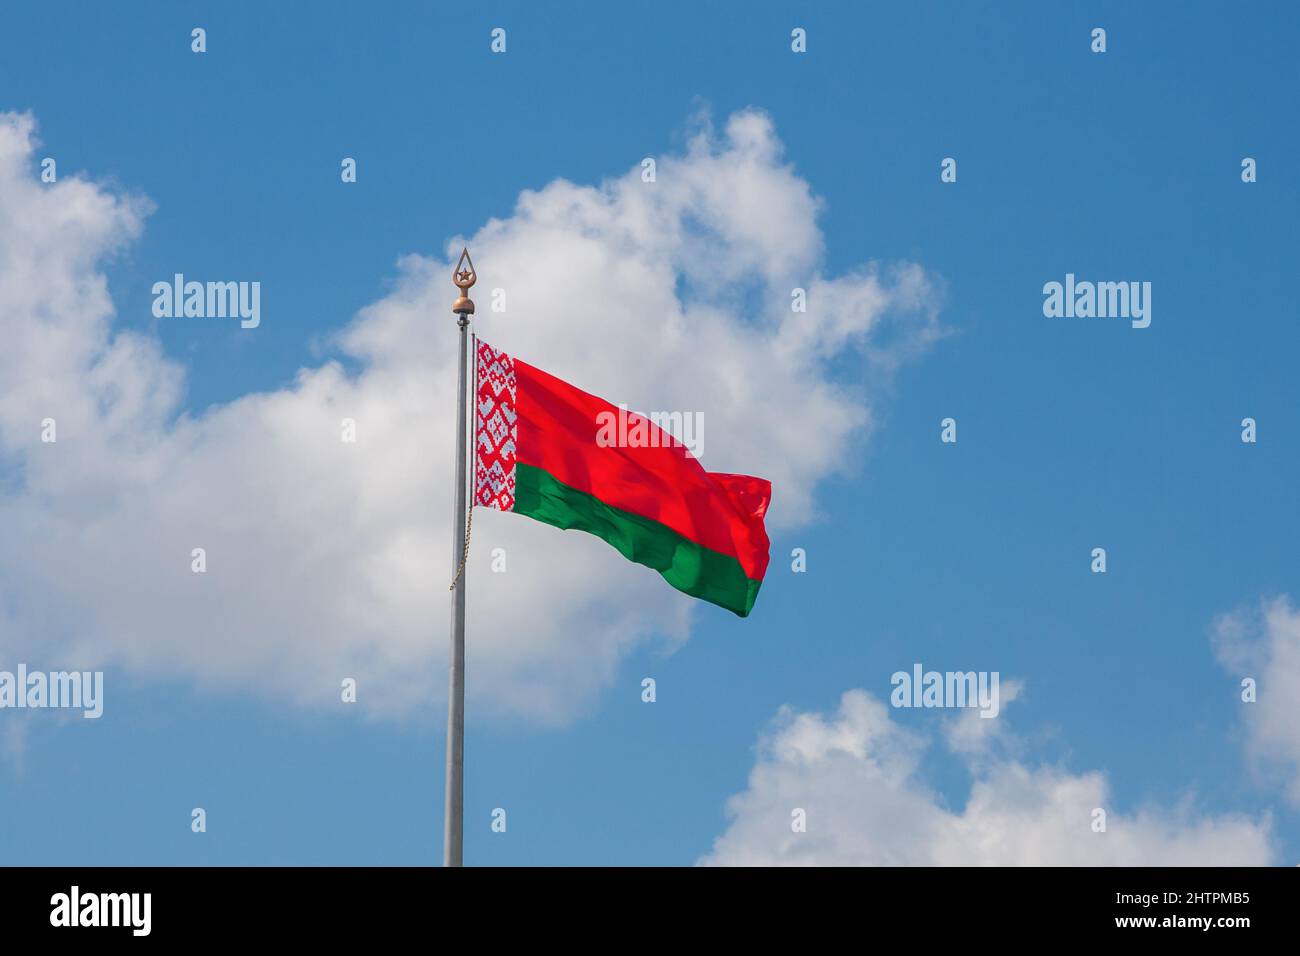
(464,277)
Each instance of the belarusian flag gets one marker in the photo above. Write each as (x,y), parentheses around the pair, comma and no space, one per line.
(538,454)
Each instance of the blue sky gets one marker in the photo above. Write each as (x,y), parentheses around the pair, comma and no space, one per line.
(1073,433)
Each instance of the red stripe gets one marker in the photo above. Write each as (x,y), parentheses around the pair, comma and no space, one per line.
(557,432)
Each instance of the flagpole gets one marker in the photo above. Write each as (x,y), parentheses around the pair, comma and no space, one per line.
(454,806)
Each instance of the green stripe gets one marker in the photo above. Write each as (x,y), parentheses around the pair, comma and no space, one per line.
(687,566)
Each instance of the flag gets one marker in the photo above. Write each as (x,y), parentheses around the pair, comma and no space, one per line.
(543,449)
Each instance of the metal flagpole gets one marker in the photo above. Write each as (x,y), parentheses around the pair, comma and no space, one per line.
(454,823)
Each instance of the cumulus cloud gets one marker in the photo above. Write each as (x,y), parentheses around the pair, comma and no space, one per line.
(1264,645)
(969,732)
(857,776)
(328,560)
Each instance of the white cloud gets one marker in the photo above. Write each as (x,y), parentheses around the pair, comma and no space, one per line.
(328,560)
(969,732)
(1265,645)
(857,775)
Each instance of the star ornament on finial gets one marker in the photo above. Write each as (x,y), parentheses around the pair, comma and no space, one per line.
(464,277)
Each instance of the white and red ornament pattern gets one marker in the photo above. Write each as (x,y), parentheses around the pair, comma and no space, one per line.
(496,430)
